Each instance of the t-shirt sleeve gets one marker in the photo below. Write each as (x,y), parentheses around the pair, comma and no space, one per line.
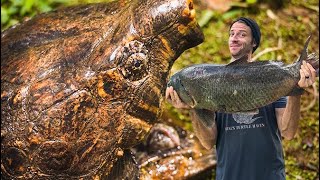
(281,103)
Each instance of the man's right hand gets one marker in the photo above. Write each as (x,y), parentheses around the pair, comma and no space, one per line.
(174,99)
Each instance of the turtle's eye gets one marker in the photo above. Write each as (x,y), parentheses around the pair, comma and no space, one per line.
(137,63)
(135,67)
(133,61)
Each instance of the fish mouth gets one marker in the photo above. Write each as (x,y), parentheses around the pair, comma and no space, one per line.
(183,93)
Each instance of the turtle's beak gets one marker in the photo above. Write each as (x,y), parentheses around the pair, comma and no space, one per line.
(189,11)
(189,27)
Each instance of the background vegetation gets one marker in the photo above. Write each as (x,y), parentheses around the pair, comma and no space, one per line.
(285,25)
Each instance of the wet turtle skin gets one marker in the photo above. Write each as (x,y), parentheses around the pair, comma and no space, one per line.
(82,84)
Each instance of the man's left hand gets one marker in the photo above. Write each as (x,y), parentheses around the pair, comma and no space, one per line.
(307,75)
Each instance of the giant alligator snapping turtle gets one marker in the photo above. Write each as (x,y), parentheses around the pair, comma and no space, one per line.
(80,85)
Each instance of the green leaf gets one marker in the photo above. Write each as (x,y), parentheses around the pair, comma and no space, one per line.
(12,22)
(60,1)
(43,6)
(206,15)
(231,14)
(27,5)
(251,1)
(4,16)
(17,2)
(13,10)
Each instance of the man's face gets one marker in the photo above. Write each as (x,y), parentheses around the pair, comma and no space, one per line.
(240,40)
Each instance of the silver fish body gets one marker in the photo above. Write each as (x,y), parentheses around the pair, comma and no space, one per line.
(239,86)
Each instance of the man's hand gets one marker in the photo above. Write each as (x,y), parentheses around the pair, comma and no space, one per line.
(307,75)
(174,99)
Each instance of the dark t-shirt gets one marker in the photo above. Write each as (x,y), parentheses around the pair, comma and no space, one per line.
(249,145)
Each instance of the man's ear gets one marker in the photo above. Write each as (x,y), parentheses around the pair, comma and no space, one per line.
(254,44)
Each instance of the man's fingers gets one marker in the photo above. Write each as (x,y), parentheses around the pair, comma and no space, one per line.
(303,81)
(168,93)
(308,75)
(306,70)
(302,74)
(313,72)
(176,96)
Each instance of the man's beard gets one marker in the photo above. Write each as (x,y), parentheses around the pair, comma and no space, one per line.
(246,49)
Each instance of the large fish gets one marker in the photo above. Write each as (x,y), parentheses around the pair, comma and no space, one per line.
(239,86)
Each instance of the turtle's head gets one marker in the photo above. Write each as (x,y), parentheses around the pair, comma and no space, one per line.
(171,21)
(144,39)
(157,32)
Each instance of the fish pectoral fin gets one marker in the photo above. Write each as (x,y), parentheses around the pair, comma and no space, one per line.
(206,117)
(253,111)
(296,91)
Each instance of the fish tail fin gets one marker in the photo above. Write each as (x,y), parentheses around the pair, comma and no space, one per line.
(304,52)
(205,116)
(294,68)
(296,91)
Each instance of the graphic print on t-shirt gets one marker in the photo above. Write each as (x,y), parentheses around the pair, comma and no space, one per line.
(245,118)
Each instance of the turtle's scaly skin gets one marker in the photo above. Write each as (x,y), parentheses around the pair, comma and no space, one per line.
(81,84)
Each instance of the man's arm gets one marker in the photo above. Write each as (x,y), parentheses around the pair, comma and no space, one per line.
(288,117)
(206,135)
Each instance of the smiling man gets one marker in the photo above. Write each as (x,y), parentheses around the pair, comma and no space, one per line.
(249,144)
(244,38)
